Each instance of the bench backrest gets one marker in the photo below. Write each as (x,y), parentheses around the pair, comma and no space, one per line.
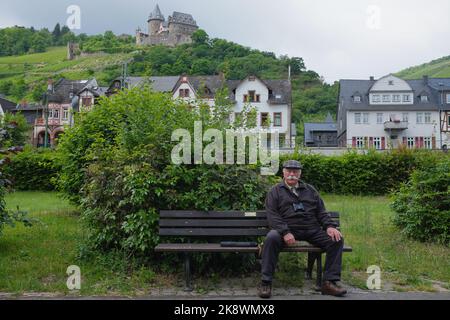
(216,223)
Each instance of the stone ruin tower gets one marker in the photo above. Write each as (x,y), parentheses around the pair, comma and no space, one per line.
(178,29)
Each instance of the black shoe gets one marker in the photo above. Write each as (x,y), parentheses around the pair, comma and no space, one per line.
(265,290)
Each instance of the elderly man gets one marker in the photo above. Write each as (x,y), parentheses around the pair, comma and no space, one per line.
(295,211)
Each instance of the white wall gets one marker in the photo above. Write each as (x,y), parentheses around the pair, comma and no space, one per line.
(372,129)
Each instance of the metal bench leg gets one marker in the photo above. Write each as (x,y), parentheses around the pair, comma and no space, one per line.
(187,272)
(312,256)
(319,271)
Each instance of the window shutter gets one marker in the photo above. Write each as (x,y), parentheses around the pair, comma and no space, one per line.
(354,142)
(421,142)
(383,143)
(405,141)
(433,142)
(371,142)
(416,142)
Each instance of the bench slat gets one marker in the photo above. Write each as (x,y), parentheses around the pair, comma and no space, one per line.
(211,214)
(213,232)
(221,214)
(213,223)
(216,247)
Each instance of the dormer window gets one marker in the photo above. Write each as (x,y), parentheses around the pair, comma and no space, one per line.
(184,93)
(391,82)
(251,97)
(386,98)
(424,98)
(406,98)
(71,95)
(396,98)
(357,99)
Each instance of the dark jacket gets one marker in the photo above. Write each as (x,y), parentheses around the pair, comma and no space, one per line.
(282,216)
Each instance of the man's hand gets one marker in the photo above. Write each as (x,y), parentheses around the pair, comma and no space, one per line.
(334,234)
(289,239)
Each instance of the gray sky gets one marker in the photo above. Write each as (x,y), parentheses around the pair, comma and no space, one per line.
(338,39)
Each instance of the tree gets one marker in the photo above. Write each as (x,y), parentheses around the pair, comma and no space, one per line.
(56,34)
(200,37)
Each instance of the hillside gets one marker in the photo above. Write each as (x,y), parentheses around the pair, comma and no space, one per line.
(29,73)
(25,76)
(439,68)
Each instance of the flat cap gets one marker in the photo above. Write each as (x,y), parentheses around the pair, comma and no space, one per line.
(292,164)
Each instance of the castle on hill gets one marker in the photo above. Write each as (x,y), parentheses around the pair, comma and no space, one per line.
(176,30)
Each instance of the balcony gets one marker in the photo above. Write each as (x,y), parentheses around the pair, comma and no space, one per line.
(395,125)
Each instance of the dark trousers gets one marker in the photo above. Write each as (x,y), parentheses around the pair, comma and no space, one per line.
(318,237)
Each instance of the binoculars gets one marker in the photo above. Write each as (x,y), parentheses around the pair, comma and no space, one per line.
(298,207)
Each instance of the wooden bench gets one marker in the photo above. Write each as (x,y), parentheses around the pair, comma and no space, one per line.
(226,226)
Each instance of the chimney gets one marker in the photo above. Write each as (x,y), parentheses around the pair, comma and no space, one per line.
(425,79)
(50,85)
(372,78)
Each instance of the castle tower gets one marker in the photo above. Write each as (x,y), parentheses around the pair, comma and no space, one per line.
(154,21)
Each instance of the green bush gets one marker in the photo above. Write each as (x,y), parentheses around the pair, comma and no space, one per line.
(33,169)
(422,205)
(117,166)
(373,173)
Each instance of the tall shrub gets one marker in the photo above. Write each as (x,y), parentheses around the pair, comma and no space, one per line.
(422,205)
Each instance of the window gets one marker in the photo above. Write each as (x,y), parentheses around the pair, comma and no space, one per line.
(448,97)
(251,97)
(357,118)
(277,119)
(264,119)
(50,113)
(424,98)
(184,93)
(405,116)
(379,118)
(55,114)
(396,98)
(419,117)
(391,82)
(376,98)
(427,117)
(65,114)
(427,143)
(360,142)
(86,101)
(406,98)
(365,118)
(377,143)
(410,142)
(357,99)
(386,98)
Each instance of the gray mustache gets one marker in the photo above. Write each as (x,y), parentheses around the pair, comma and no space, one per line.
(292,177)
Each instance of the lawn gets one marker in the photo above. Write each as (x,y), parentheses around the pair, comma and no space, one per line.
(36,258)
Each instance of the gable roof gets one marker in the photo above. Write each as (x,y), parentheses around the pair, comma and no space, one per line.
(184,18)
(348,87)
(281,89)
(311,127)
(7,105)
(63,89)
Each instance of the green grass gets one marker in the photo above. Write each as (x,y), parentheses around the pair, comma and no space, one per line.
(54,64)
(439,68)
(36,258)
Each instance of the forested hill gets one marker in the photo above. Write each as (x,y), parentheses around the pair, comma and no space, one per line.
(24,77)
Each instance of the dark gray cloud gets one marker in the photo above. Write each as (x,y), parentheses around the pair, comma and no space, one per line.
(338,39)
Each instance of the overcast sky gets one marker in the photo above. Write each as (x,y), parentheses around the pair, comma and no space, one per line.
(338,39)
